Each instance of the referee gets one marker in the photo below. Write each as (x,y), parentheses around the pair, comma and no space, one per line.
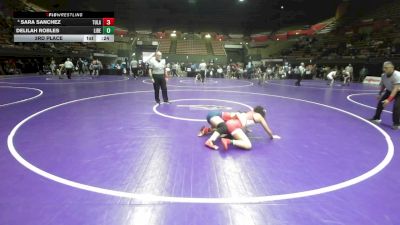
(302,70)
(158,74)
(69,67)
(390,86)
(203,68)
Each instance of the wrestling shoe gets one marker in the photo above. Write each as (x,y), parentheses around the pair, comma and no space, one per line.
(226,142)
(211,145)
(375,121)
(204,131)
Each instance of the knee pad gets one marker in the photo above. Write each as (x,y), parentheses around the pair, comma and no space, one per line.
(222,128)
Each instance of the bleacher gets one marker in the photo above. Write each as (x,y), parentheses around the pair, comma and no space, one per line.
(357,37)
(5,31)
(191,47)
(218,48)
(4,39)
(164,45)
(389,10)
(124,39)
(273,49)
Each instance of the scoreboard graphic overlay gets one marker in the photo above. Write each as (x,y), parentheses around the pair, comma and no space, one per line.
(64,27)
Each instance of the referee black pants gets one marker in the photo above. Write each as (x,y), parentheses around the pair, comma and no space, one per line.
(299,78)
(160,82)
(396,108)
(69,72)
(202,75)
(174,74)
(134,72)
(81,70)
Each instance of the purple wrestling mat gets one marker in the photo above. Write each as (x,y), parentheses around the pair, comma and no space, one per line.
(99,151)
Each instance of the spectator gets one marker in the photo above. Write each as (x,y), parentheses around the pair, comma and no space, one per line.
(53,67)
(220,72)
(174,70)
(349,70)
(363,74)
(134,67)
(80,64)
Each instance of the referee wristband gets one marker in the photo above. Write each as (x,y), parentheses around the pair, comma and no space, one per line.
(390,98)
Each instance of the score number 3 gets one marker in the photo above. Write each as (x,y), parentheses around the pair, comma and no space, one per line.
(108,21)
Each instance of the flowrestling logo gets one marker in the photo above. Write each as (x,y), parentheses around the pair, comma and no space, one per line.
(372,80)
(206,107)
